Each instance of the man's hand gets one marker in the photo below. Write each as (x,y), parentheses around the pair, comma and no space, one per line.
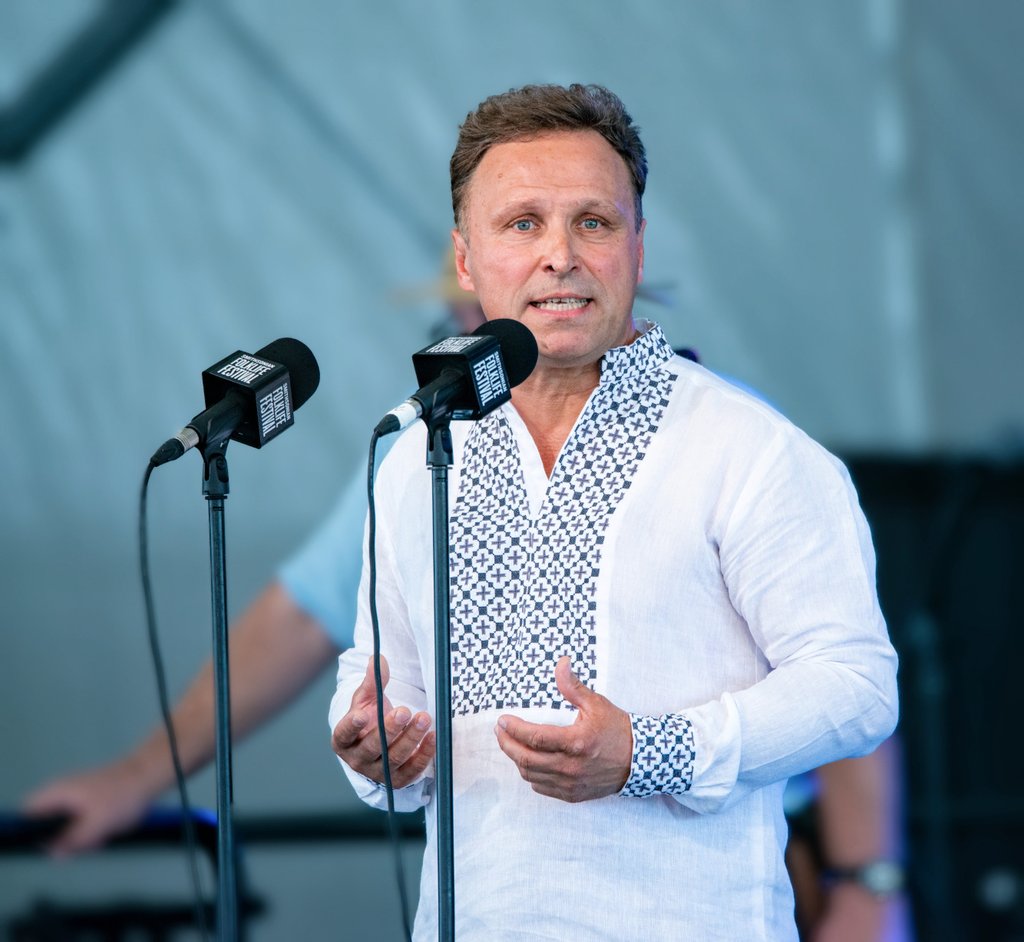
(357,741)
(99,804)
(589,759)
(852,914)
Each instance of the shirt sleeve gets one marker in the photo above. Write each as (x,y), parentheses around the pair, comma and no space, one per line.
(406,685)
(796,557)
(663,754)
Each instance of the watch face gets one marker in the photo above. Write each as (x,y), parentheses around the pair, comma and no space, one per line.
(881,877)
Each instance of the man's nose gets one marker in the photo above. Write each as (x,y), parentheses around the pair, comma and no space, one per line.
(559,250)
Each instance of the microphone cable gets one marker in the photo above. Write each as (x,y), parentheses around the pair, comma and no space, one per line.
(165,711)
(393,827)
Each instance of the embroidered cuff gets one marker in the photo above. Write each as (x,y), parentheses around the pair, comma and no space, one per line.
(663,755)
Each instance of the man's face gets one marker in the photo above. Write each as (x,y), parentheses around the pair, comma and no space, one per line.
(550,239)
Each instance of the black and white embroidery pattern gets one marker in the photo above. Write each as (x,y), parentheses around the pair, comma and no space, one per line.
(663,755)
(523,589)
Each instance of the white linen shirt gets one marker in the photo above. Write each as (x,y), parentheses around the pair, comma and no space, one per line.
(707,568)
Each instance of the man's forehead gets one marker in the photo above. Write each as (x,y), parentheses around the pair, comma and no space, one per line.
(575,140)
(580,166)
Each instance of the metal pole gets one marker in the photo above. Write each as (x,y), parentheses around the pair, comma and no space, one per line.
(439,459)
(215,488)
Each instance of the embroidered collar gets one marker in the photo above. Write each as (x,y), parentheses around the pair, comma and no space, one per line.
(524,581)
(650,349)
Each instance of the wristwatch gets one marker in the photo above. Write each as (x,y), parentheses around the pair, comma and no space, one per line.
(881,878)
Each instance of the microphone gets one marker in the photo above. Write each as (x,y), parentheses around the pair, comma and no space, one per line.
(250,397)
(469,375)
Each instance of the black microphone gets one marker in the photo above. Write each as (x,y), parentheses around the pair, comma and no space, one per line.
(250,397)
(469,375)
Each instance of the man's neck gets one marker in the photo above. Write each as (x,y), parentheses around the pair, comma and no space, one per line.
(550,402)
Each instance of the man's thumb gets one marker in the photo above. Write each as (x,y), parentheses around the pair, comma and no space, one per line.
(570,686)
(367,691)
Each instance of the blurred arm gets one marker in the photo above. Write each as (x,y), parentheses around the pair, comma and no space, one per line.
(859,808)
(275,649)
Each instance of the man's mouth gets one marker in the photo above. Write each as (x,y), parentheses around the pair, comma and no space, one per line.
(560,304)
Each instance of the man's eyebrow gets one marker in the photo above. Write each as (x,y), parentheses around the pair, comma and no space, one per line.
(527,205)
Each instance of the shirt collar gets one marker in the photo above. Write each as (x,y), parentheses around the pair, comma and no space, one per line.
(650,349)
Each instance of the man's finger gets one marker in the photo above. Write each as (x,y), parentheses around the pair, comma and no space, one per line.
(406,772)
(366,692)
(535,737)
(356,738)
(410,750)
(405,732)
(362,713)
(348,730)
(570,686)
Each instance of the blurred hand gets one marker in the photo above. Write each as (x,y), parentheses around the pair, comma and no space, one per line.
(589,759)
(356,739)
(100,804)
(852,914)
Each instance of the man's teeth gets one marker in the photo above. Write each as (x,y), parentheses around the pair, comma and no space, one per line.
(561,304)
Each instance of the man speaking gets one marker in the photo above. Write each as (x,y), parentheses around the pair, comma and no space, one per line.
(662,592)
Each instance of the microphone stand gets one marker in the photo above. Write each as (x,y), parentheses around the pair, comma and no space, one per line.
(215,489)
(439,460)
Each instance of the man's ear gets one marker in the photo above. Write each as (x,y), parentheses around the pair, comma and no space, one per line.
(640,264)
(461,254)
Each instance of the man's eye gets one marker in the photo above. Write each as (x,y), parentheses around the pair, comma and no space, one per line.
(522,225)
(591,224)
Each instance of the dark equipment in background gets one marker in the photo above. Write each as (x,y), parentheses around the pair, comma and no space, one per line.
(949,535)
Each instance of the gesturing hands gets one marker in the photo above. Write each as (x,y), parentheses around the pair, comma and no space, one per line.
(589,759)
(357,741)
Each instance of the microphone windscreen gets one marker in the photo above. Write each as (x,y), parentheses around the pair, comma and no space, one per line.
(302,367)
(518,346)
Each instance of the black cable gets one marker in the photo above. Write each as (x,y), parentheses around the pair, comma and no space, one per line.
(161,683)
(393,826)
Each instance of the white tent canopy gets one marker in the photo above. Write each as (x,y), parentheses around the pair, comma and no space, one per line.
(834,213)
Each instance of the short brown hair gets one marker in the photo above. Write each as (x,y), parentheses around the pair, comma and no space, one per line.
(523,113)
